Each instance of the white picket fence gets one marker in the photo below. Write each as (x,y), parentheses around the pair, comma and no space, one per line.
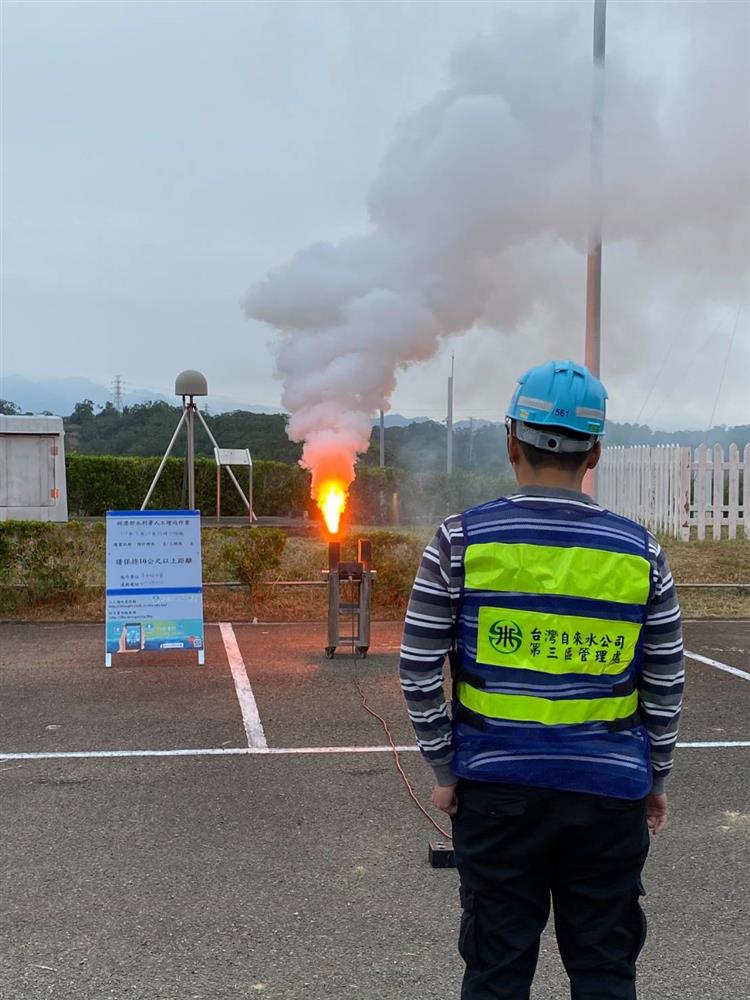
(671,489)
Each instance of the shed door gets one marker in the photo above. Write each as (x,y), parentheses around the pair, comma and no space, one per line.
(30,472)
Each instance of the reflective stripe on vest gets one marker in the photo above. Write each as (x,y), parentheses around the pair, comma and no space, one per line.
(552,569)
(522,708)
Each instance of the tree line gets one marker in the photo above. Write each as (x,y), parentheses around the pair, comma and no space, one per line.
(144,430)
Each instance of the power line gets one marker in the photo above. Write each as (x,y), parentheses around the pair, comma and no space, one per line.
(678,382)
(679,379)
(660,372)
(724,370)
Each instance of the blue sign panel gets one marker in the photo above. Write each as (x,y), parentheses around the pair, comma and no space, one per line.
(154,584)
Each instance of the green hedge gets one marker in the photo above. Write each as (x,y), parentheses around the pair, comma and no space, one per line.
(97,483)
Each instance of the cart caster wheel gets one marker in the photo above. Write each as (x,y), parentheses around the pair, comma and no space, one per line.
(330,650)
(362,652)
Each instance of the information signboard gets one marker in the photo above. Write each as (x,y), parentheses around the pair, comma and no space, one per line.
(154,583)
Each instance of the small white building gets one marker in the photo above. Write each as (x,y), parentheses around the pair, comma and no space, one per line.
(32,469)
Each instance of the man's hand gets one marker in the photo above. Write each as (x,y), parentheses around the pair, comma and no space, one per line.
(657,814)
(445,799)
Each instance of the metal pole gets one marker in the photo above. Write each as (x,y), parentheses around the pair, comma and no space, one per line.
(382,461)
(592,354)
(218,492)
(167,453)
(190,410)
(449,464)
(594,260)
(334,597)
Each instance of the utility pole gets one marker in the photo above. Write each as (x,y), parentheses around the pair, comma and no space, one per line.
(449,465)
(594,260)
(592,354)
(382,466)
(471,443)
(117,387)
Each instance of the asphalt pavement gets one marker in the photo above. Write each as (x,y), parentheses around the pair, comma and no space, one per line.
(300,875)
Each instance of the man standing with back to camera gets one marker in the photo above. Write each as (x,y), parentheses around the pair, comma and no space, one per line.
(563,630)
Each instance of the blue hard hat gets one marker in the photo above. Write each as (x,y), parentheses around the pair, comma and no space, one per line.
(560,394)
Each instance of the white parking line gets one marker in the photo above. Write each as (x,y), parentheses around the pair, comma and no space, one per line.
(200,752)
(714,743)
(714,621)
(250,717)
(273,751)
(719,665)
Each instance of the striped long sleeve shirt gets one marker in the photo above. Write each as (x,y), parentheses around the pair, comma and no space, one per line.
(430,627)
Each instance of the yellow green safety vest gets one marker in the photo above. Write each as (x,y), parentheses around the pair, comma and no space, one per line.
(549,648)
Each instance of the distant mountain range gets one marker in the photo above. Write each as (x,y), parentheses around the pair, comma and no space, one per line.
(60,395)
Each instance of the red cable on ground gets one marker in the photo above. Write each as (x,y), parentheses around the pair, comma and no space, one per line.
(396,755)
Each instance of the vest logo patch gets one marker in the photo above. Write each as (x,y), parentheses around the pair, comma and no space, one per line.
(505,636)
(553,643)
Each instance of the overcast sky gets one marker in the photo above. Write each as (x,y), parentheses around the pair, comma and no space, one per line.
(160,159)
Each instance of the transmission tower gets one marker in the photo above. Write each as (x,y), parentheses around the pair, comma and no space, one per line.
(117,388)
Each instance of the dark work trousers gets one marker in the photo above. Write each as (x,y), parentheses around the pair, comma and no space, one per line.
(517,848)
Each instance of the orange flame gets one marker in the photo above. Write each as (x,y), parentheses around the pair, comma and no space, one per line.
(332,501)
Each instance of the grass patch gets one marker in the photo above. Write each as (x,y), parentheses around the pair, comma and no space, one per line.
(57,571)
(708,562)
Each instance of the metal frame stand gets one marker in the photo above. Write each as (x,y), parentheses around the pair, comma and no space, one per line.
(226,458)
(189,412)
(357,577)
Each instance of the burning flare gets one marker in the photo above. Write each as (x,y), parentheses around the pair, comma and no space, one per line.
(331,499)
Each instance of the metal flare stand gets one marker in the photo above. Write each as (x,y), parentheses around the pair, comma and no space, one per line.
(349,598)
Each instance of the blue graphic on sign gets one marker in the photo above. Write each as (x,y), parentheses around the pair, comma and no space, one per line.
(154,583)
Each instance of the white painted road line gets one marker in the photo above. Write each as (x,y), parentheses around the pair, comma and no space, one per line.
(272,751)
(714,743)
(719,665)
(714,621)
(200,752)
(250,717)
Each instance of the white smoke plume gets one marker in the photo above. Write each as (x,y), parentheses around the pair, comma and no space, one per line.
(479,210)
